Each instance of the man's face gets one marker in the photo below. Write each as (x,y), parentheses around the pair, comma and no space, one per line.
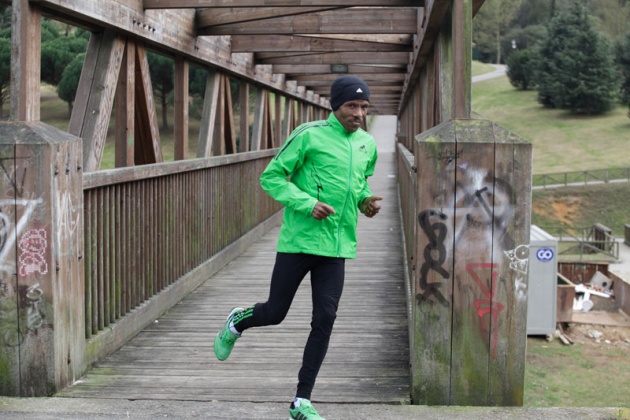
(352,113)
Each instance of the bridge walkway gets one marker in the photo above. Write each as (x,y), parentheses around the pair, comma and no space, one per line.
(368,358)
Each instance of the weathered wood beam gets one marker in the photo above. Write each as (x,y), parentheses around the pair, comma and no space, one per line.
(223,140)
(259,119)
(95,95)
(181,108)
(336,58)
(431,19)
(244,117)
(125,108)
(230,134)
(196,4)
(147,141)
(277,129)
(367,77)
(25,61)
(462,56)
(288,43)
(374,89)
(231,15)
(296,69)
(209,114)
(384,20)
(170,31)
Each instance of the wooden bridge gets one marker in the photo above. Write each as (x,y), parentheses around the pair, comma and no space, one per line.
(368,360)
(114,281)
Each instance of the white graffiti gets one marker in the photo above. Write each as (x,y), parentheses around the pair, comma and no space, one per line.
(519,258)
(481,214)
(67,221)
(33,249)
(520,289)
(10,231)
(34,313)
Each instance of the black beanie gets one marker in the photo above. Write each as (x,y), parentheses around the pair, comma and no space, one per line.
(347,88)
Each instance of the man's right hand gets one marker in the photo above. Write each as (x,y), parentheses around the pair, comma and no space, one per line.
(322,211)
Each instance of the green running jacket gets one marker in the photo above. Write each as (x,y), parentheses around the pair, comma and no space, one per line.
(321,161)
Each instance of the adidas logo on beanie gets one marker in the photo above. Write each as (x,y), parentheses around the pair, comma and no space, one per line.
(347,88)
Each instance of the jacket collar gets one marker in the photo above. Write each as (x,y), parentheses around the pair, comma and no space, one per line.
(333,121)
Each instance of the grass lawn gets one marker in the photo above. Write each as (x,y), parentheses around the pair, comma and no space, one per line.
(562,141)
(580,375)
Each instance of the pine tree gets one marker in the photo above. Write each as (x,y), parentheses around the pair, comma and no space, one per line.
(576,70)
(623,61)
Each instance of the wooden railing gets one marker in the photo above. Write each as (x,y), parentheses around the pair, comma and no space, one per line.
(585,243)
(581,177)
(407,180)
(147,226)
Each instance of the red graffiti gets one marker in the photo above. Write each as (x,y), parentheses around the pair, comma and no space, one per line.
(487,306)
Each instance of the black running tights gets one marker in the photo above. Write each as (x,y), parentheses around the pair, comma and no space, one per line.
(327,278)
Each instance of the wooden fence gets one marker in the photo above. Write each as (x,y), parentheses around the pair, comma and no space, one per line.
(581,177)
(585,243)
(407,180)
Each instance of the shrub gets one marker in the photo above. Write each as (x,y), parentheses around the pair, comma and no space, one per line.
(521,69)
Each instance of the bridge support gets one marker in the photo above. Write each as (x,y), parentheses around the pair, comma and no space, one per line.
(471,261)
(42,334)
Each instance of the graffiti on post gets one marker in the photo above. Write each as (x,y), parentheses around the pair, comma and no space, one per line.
(11,232)
(468,235)
(487,306)
(436,233)
(16,176)
(34,316)
(26,247)
(519,262)
(32,257)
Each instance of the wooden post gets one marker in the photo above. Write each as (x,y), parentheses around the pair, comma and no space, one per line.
(125,108)
(25,61)
(209,114)
(181,108)
(462,56)
(42,343)
(474,205)
(244,117)
(96,91)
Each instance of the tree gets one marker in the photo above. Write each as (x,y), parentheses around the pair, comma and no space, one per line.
(67,87)
(612,16)
(576,70)
(162,78)
(5,16)
(491,22)
(58,52)
(623,63)
(521,67)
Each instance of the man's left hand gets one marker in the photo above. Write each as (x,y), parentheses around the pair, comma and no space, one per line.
(371,205)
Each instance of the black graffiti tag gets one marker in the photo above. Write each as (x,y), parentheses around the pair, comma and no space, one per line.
(18,186)
(436,233)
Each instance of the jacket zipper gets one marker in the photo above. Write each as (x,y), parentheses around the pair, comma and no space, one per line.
(345,203)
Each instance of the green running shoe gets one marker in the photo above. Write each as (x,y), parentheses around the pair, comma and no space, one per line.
(225,339)
(304,411)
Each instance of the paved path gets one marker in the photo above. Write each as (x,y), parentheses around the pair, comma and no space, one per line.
(499,70)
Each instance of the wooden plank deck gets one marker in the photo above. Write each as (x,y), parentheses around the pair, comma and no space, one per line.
(368,358)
